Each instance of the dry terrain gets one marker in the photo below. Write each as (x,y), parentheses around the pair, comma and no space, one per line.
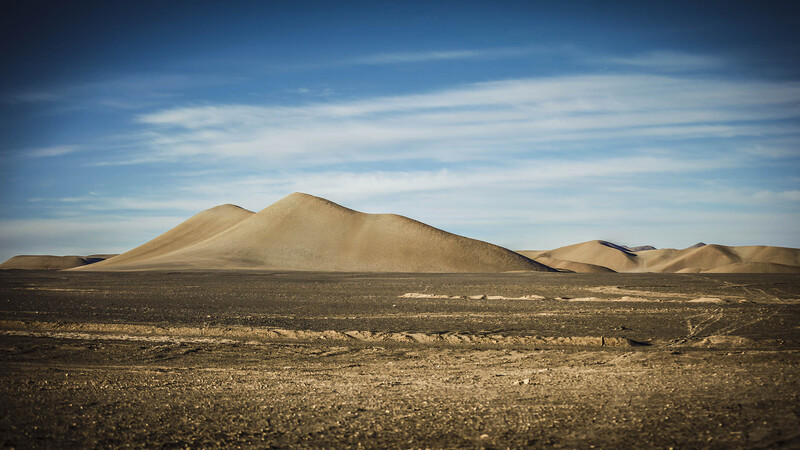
(308,359)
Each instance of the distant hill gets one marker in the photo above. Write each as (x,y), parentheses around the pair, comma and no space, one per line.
(50,262)
(593,256)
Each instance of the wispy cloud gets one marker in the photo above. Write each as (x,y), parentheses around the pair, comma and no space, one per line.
(413,57)
(427,56)
(44,152)
(667,60)
(125,92)
(479,120)
(439,55)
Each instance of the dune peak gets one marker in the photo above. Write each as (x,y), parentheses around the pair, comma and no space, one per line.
(230,206)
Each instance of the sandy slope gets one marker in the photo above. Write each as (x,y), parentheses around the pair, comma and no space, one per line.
(703,258)
(572,266)
(196,229)
(303,232)
(754,267)
(592,255)
(595,253)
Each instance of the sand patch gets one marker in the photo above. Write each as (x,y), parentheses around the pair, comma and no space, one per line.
(725,341)
(470,297)
(597,299)
(715,300)
(255,335)
(645,295)
(616,290)
(56,289)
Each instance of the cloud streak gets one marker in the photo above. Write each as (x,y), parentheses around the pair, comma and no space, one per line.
(440,55)
(479,120)
(44,152)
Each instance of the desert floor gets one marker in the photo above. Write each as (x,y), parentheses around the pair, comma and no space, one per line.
(332,360)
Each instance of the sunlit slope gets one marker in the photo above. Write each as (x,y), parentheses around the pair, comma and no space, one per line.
(571,266)
(601,254)
(196,229)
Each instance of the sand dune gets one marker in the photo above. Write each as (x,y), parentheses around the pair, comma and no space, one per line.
(595,253)
(699,258)
(659,257)
(45,262)
(303,232)
(754,267)
(571,266)
(197,228)
(776,255)
(704,258)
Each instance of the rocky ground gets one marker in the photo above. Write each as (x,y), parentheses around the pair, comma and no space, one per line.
(344,360)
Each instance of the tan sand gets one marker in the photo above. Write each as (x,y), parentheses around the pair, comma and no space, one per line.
(763,254)
(571,266)
(596,253)
(196,229)
(303,232)
(703,258)
(755,267)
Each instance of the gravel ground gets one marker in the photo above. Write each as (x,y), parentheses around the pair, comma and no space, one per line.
(192,360)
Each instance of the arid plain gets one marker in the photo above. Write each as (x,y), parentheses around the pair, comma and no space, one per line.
(269,329)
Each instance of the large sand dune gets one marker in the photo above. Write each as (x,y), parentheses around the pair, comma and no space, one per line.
(303,232)
(593,256)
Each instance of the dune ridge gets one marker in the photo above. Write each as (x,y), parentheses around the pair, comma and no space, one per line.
(303,232)
(595,253)
(593,256)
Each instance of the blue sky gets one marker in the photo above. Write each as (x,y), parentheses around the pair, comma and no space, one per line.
(528,124)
